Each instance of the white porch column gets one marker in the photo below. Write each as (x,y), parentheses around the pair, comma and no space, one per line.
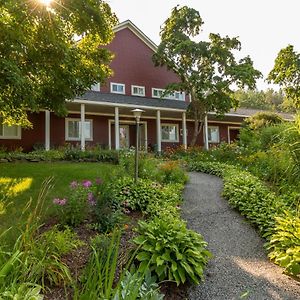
(47,130)
(184,136)
(117,129)
(82,122)
(206,145)
(158,131)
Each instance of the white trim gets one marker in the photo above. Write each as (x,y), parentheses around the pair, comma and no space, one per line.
(77,139)
(47,130)
(82,126)
(139,87)
(205,135)
(117,84)
(8,137)
(211,142)
(184,131)
(228,132)
(158,131)
(95,87)
(177,132)
(127,105)
(117,129)
(128,24)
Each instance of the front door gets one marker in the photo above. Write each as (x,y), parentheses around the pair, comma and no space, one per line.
(124,136)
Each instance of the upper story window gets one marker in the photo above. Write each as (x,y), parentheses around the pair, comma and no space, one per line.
(157,93)
(169,133)
(213,134)
(96,87)
(138,90)
(9,132)
(117,88)
(73,132)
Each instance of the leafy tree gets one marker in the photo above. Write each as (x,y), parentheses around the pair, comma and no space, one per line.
(286,73)
(207,69)
(42,63)
(266,100)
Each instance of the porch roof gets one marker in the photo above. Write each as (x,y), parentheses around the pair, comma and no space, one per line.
(114,99)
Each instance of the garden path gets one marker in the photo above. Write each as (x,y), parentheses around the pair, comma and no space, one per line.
(239,268)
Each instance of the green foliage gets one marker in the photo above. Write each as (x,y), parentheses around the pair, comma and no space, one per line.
(145,194)
(42,63)
(97,279)
(107,211)
(263,119)
(264,100)
(286,73)
(23,291)
(284,245)
(171,172)
(170,250)
(135,285)
(207,69)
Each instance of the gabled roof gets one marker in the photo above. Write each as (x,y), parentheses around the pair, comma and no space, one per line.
(129,25)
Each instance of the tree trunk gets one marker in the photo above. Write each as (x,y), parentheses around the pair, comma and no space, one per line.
(197,129)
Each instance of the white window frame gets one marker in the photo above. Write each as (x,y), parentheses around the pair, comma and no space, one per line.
(214,127)
(169,96)
(139,87)
(118,84)
(10,137)
(95,87)
(177,131)
(67,138)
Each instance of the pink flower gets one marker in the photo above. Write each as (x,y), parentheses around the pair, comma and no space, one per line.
(98,181)
(60,202)
(91,199)
(86,183)
(73,184)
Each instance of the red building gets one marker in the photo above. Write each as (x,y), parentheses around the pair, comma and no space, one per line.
(106,111)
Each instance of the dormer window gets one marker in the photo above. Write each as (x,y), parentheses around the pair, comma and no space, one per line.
(157,93)
(137,90)
(117,88)
(96,87)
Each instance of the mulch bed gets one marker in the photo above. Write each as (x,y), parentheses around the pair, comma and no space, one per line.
(77,259)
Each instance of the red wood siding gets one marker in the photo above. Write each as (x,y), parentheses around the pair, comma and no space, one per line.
(132,65)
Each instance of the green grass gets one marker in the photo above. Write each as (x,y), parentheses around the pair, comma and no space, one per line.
(62,173)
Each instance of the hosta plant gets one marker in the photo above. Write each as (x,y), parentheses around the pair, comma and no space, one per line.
(284,245)
(171,250)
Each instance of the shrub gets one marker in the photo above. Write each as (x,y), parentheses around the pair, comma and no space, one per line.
(138,196)
(263,119)
(170,250)
(284,245)
(171,172)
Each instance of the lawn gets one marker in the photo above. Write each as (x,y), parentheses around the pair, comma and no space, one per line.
(30,176)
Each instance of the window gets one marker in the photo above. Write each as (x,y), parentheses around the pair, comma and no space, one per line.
(157,93)
(96,87)
(213,134)
(73,132)
(138,90)
(169,133)
(9,132)
(117,88)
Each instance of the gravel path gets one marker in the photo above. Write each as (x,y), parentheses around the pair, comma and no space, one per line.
(240,268)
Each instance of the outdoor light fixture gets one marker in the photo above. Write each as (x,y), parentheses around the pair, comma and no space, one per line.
(137,114)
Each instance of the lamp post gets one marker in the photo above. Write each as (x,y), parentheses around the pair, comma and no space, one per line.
(137,114)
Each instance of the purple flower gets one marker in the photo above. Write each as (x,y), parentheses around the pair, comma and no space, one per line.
(73,184)
(98,181)
(91,199)
(86,183)
(60,202)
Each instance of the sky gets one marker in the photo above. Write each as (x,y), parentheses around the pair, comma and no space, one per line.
(263,26)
